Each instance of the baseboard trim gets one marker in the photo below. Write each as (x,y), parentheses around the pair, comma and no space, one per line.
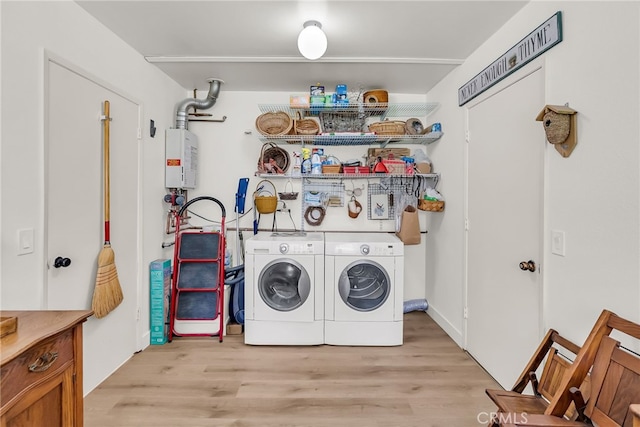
(442,321)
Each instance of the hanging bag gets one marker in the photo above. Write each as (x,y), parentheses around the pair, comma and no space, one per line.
(409,231)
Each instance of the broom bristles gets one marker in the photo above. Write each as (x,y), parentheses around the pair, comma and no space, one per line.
(107,294)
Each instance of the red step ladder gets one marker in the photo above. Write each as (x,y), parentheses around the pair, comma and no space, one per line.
(197,285)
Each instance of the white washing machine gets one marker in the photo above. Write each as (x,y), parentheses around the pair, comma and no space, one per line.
(284,289)
(364,286)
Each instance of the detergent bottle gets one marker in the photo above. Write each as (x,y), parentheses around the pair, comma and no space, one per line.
(306,160)
(316,164)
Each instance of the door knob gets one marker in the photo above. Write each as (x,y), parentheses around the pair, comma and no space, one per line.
(61,262)
(528,266)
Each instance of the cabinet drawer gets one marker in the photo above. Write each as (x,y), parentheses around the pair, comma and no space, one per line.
(35,365)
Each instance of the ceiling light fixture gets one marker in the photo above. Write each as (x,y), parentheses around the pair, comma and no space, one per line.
(312,41)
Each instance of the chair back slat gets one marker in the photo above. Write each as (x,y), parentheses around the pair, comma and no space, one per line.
(616,385)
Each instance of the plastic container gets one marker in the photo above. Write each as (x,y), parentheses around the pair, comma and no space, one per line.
(316,164)
(306,161)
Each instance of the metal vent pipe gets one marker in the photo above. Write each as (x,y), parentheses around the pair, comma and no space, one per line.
(182,114)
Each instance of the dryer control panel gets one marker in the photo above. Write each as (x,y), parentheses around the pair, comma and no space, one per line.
(365,249)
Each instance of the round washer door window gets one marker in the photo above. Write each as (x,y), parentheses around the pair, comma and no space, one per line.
(364,285)
(284,284)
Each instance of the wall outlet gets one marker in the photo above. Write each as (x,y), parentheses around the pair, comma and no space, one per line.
(557,242)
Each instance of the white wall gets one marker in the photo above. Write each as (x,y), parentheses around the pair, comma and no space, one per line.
(592,196)
(69,33)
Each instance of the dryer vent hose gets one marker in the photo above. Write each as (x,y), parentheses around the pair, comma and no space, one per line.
(415,305)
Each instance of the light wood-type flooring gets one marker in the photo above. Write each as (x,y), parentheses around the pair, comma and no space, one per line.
(198,382)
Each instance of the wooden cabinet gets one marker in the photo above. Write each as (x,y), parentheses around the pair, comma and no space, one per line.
(41,369)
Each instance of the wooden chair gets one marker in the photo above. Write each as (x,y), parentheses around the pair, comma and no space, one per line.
(551,351)
(607,322)
(596,346)
(635,410)
(615,384)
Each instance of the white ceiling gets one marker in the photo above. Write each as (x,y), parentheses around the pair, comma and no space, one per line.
(401,46)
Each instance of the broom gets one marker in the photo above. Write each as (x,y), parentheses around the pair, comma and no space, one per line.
(107,294)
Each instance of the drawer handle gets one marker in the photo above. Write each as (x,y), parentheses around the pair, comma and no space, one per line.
(43,362)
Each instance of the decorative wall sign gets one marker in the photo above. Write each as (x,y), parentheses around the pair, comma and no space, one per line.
(543,38)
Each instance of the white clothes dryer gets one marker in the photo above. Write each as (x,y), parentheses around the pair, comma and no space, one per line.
(284,289)
(364,286)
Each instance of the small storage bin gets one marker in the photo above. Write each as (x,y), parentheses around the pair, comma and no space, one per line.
(356,170)
(331,169)
(395,167)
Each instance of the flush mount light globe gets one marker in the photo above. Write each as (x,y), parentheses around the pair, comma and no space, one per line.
(312,41)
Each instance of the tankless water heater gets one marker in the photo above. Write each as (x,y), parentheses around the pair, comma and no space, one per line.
(181,152)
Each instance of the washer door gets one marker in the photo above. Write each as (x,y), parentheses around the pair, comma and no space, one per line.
(364,285)
(284,284)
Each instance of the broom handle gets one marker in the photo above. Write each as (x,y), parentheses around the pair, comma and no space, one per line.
(105,123)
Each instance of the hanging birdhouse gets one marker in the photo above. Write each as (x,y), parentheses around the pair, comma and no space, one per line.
(560,125)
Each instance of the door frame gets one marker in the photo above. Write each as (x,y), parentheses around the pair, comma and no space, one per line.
(535,65)
(50,57)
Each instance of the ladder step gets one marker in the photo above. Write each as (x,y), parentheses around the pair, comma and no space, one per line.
(197,306)
(199,246)
(198,275)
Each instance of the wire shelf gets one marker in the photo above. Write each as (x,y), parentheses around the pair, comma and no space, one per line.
(365,109)
(355,139)
(392,189)
(432,176)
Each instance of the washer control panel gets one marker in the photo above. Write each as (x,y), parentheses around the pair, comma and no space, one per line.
(296,248)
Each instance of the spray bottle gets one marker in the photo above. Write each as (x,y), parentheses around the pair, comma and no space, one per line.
(297,164)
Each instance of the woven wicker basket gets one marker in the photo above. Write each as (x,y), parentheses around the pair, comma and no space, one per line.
(388,127)
(377,96)
(274,123)
(273,159)
(414,126)
(265,200)
(306,126)
(288,195)
(431,205)
(376,101)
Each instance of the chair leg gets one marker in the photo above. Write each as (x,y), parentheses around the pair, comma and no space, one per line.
(578,401)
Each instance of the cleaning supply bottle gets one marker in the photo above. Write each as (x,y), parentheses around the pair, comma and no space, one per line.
(306,160)
(297,164)
(316,164)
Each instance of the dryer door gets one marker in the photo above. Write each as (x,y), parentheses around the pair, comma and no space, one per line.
(364,285)
(284,284)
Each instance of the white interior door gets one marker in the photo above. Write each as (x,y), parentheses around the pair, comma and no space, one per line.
(505,218)
(74,206)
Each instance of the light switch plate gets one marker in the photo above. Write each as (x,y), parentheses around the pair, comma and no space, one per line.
(557,242)
(25,241)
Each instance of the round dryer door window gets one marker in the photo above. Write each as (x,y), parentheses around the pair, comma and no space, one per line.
(364,285)
(284,284)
